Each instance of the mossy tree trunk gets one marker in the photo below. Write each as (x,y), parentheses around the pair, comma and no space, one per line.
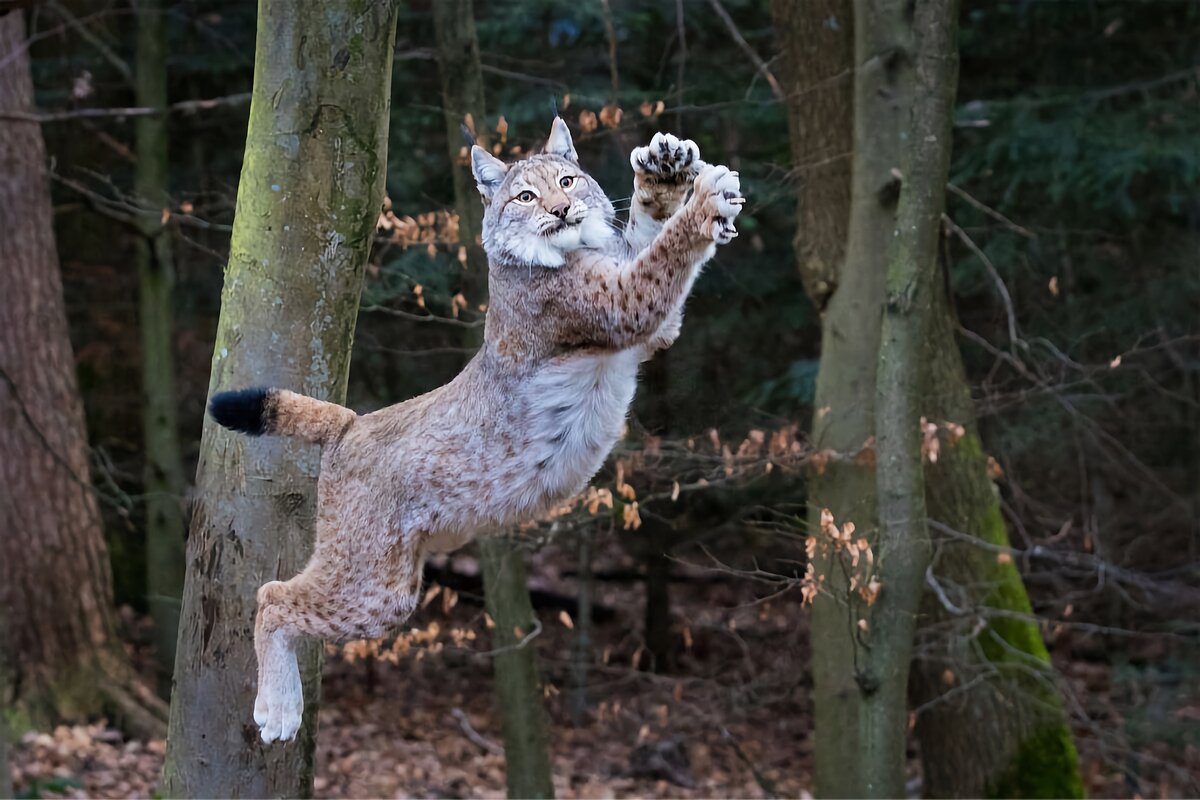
(903,549)
(6,789)
(55,576)
(164,480)
(963,737)
(992,722)
(308,201)
(518,686)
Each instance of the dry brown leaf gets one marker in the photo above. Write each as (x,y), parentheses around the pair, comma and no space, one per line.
(610,116)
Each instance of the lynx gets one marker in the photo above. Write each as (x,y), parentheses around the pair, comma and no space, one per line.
(575,306)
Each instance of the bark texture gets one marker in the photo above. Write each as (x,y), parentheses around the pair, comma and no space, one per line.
(997,729)
(845,392)
(309,197)
(518,687)
(55,577)
(5,715)
(904,547)
(518,693)
(164,480)
(816,38)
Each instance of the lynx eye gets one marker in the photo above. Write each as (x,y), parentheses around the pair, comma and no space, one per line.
(526,197)
(567,181)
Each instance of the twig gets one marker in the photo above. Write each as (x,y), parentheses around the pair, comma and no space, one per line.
(991,212)
(525,640)
(185,106)
(473,735)
(764,783)
(991,268)
(109,55)
(395,312)
(763,69)
(932,583)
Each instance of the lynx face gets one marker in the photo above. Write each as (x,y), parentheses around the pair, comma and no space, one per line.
(543,207)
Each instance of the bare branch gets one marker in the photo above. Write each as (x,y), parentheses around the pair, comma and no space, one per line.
(741,42)
(186,107)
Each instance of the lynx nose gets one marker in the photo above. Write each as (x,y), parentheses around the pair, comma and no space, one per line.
(560,210)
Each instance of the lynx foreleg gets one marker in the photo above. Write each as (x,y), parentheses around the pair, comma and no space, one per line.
(663,173)
(626,307)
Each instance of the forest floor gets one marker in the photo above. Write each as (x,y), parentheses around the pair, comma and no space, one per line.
(731,719)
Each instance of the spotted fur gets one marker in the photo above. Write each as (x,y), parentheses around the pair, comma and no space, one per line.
(574,307)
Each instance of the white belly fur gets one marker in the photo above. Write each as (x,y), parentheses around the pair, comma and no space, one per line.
(575,409)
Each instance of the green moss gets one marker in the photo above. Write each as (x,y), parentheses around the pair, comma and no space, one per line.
(1046,765)
(1008,595)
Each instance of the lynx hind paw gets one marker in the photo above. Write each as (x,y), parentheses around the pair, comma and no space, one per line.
(719,193)
(667,158)
(279,707)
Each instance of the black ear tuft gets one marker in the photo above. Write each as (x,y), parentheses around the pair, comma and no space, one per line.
(468,137)
(244,410)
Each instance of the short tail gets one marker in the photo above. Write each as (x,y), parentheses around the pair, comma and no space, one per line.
(280,412)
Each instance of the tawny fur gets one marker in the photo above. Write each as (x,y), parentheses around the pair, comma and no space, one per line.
(574,307)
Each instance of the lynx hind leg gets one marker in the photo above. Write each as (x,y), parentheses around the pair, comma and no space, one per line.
(331,603)
(718,198)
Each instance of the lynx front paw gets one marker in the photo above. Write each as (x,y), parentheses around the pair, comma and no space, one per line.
(718,199)
(667,159)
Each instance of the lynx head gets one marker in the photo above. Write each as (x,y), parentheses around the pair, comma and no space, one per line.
(541,208)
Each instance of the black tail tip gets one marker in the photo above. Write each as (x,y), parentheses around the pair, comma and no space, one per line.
(244,410)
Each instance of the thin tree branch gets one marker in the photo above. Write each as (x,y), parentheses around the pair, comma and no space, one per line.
(107,52)
(186,106)
(741,42)
(991,212)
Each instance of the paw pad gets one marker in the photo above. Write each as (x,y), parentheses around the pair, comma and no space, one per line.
(667,158)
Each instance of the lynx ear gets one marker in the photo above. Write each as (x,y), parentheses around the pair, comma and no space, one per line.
(488,170)
(559,143)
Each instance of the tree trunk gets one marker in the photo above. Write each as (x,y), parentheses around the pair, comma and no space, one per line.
(55,577)
(868,115)
(5,777)
(164,480)
(462,100)
(308,202)
(518,694)
(581,652)
(963,743)
(657,631)
(6,789)
(518,688)
(992,723)
(903,551)
(816,37)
